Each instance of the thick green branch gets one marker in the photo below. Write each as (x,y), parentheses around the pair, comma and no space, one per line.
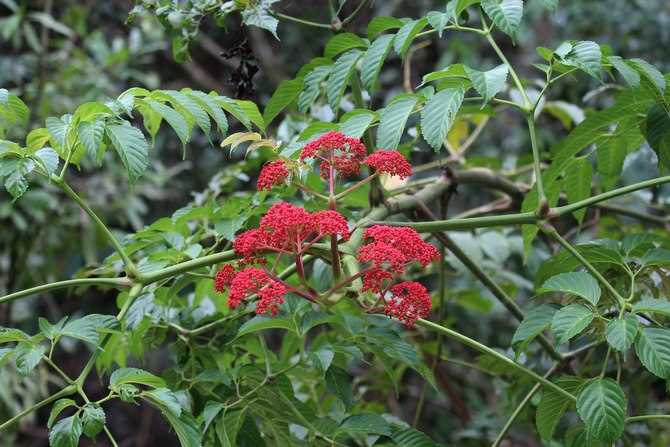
(488,351)
(186,266)
(112,282)
(67,391)
(529,217)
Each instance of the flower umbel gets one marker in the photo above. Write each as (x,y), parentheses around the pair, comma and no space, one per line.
(273,173)
(334,149)
(390,162)
(224,277)
(256,281)
(409,301)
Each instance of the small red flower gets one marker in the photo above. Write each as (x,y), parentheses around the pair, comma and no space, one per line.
(390,162)
(273,173)
(285,226)
(249,243)
(224,277)
(409,301)
(344,153)
(406,240)
(271,297)
(331,223)
(374,280)
(254,280)
(383,255)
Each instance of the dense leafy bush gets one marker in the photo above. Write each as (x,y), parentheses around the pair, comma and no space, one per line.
(306,310)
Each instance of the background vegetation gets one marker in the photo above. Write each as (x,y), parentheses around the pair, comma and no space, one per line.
(60,54)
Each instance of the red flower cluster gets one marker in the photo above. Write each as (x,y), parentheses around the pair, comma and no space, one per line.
(224,277)
(405,240)
(389,251)
(285,228)
(255,281)
(345,154)
(409,301)
(390,162)
(273,173)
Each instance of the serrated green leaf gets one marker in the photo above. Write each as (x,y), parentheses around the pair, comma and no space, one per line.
(132,148)
(610,155)
(505,14)
(366,424)
(653,349)
(212,107)
(66,432)
(189,108)
(602,407)
(338,382)
(27,356)
(123,376)
(379,24)
(9,335)
(340,75)
(656,257)
(91,135)
(175,119)
(341,43)
(488,83)
(92,420)
(356,122)
(409,437)
(553,405)
(651,305)
(87,328)
(285,94)
(438,115)
(627,72)
(658,133)
(578,179)
(392,121)
(250,110)
(258,14)
(232,107)
(14,171)
(374,59)
(406,34)
(581,284)
(260,322)
(438,20)
(650,73)
(537,320)
(571,320)
(312,86)
(164,398)
(586,56)
(57,409)
(621,333)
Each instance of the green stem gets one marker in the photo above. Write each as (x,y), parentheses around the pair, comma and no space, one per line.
(517,411)
(525,218)
(355,12)
(131,270)
(280,15)
(527,104)
(186,266)
(488,351)
(561,210)
(646,417)
(110,437)
(551,231)
(542,199)
(485,279)
(134,292)
(67,391)
(114,282)
(357,185)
